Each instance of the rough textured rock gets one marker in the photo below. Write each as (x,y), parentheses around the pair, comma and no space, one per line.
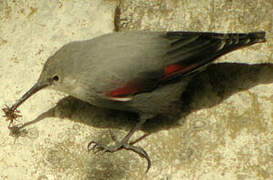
(225,132)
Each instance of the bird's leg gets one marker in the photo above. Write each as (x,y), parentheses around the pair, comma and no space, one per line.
(124,143)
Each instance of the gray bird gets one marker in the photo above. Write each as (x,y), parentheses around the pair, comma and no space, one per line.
(141,72)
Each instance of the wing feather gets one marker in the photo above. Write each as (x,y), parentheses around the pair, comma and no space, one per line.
(185,52)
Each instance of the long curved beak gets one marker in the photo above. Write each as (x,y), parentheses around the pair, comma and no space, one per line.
(38,86)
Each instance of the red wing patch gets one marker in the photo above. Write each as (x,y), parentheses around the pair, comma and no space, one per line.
(124,91)
(176,69)
(172,69)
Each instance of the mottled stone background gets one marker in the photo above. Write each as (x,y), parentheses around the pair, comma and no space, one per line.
(225,132)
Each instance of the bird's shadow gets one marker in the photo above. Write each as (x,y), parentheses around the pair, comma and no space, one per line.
(206,89)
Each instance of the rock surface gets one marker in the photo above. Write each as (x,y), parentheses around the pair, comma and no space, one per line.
(226,131)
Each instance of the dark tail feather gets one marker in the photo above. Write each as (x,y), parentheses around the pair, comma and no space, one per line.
(234,41)
(191,50)
(254,37)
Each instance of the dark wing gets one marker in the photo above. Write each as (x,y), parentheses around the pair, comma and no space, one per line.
(187,52)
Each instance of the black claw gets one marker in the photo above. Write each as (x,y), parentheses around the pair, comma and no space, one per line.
(97,147)
(142,153)
(90,147)
(102,147)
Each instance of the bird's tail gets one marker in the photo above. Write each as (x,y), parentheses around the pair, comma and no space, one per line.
(232,41)
(191,50)
(254,37)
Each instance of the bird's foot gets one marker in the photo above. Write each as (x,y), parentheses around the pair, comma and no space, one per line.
(123,144)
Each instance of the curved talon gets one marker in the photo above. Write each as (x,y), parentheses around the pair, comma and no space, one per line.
(89,144)
(94,147)
(124,144)
(104,148)
(141,152)
(101,147)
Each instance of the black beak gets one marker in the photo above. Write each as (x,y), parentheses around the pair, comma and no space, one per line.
(38,86)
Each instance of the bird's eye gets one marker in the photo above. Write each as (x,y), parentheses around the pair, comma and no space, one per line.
(55,78)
